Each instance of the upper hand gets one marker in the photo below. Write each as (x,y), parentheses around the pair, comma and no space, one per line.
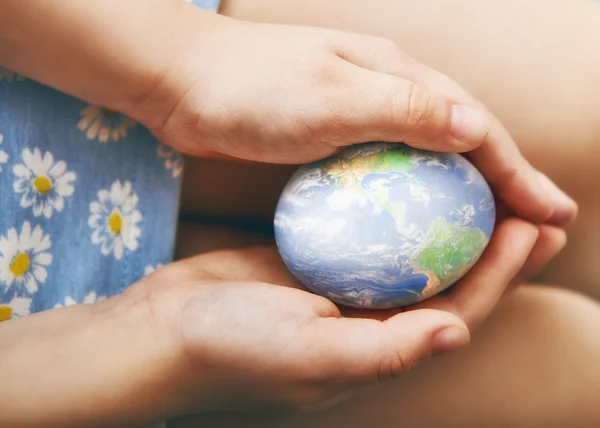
(288,94)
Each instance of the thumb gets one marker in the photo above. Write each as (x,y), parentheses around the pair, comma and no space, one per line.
(382,107)
(364,350)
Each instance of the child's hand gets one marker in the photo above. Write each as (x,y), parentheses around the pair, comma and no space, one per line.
(186,340)
(293,94)
(287,94)
(277,346)
(253,344)
(207,84)
(250,345)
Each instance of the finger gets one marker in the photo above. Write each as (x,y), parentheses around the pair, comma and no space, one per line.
(550,242)
(566,209)
(379,107)
(474,296)
(530,194)
(356,351)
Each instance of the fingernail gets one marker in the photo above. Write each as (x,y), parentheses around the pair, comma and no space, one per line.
(469,125)
(449,339)
(565,208)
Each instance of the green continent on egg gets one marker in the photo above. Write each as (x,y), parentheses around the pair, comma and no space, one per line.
(393,161)
(451,249)
(347,170)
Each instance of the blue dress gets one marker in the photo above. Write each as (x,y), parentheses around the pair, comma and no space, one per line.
(89,198)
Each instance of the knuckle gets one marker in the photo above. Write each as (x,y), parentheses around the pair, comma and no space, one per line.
(510,174)
(386,46)
(415,109)
(392,58)
(418,109)
(393,364)
(389,57)
(322,70)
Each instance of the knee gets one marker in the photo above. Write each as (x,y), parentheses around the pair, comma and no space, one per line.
(556,309)
(535,362)
(550,318)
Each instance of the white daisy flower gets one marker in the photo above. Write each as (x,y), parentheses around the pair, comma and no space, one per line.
(151,269)
(115,219)
(43,183)
(3,154)
(90,299)
(104,124)
(17,307)
(173,160)
(23,257)
(9,76)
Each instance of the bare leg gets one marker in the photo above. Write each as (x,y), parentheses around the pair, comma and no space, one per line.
(535,63)
(534,363)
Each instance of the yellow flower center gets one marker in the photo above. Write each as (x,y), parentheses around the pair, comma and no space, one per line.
(20,264)
(110,112)
(115,223)
(42,184)
(5,313)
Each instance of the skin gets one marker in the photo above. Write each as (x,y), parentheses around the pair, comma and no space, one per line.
(166,355)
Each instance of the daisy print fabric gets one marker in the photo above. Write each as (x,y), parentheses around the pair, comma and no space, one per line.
(24,257)
(103,124)
(115,220)
(43,183)
(89,198)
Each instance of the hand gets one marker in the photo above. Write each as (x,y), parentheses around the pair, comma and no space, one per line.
(250,345)
(301,360)
(184,340)
(289,94)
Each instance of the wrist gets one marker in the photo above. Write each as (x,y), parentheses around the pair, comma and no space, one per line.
(105,363)
(190,48)
(109,53)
